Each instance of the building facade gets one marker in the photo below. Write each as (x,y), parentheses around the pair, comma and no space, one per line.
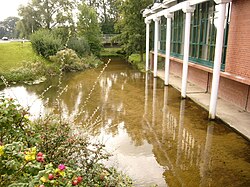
(206,42)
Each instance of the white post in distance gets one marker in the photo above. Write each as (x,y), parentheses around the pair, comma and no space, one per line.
(147,43)
(156,20)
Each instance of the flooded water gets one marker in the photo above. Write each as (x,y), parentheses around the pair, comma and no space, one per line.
(154,136)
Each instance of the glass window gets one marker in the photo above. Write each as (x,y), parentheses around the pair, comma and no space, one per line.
(203,34)
(177,34)
(163,34)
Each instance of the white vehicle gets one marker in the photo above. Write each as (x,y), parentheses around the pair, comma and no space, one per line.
(5,38)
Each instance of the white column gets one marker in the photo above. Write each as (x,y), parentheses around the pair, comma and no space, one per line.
(147,44)
(156,20)
(217,59)
(188,10)
(168,41)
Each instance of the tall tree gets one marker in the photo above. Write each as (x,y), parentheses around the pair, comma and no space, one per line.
(7,27)
(89,27)
(132,26)
(107,11)
(47,13)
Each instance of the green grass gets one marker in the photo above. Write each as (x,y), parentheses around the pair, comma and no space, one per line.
(135,59)
(110,52)
(19,63)
(14,54)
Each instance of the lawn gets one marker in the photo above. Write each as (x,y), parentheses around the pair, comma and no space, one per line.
(13,54)
(110,51)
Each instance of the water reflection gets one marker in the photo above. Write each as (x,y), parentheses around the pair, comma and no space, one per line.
(155,137)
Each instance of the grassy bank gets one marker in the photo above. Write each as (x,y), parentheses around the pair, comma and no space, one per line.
(135,60)
(19,63)
(111,52)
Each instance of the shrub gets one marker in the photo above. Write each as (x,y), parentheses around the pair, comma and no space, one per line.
(30,71)
(91,61)
(45,43)
(62,33)
(60,157)
(68,60)
(79,45)
(14,123)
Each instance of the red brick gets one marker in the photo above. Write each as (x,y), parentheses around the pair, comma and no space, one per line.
(238,54)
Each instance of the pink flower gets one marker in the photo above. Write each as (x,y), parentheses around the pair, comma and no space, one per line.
(61,167)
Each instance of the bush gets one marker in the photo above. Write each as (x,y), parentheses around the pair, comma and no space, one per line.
(62,33)
(45,43)
(57,156)
(79,45)
(91,61)
(30,71)
(68,60)
(14,123)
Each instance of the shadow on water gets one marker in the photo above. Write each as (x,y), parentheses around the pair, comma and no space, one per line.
(155,137)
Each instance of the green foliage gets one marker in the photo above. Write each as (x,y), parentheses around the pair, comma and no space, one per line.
(79,45)
(47,13)
(63,33)
(108,13)
(132,26)
(14,122)
(91,61)
(56,157)
(30,71)
(8,27)
(135,60)
(46,43)
(68,60)
(111,52)
(89,28)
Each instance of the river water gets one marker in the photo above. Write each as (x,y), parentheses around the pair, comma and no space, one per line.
(154,136)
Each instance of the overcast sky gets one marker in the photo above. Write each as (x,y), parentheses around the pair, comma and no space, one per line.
(9,8)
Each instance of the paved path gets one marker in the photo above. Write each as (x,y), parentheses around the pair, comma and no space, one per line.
(234,116)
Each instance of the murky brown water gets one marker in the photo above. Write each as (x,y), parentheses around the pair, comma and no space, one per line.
(155,137)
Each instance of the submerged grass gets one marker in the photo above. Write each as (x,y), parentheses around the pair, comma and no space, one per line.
(135,60)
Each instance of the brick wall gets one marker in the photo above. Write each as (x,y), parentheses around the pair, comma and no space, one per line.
(230,90)
(233,91)
(238,51)
(198,77)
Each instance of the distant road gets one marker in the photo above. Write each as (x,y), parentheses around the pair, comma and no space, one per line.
(12,40)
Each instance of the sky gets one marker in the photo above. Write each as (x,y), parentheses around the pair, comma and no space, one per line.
(9,8)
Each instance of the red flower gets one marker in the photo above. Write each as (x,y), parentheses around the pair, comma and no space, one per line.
(74,182)
(61,167)
(79,179)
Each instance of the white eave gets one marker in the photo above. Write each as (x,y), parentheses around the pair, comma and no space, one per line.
(156,7)
(146,12)
(167,3)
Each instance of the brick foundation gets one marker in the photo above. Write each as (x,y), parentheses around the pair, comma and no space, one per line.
(231,89)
